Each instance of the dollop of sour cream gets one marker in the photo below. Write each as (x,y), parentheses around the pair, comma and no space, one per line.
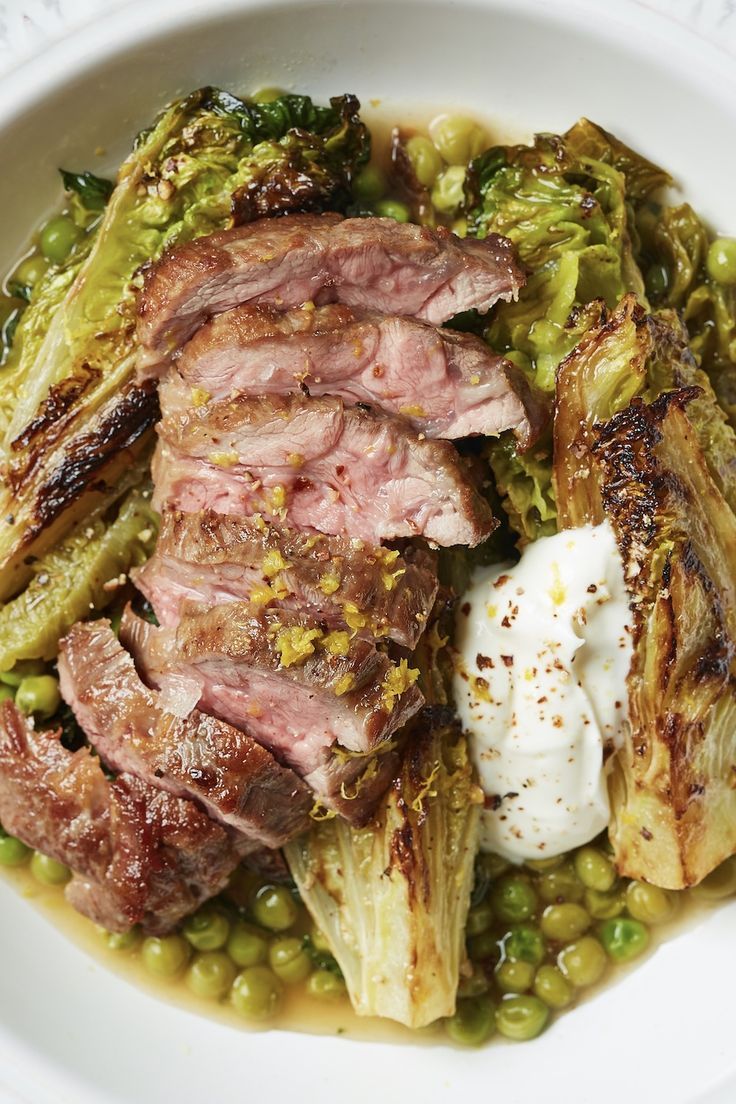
(543,649)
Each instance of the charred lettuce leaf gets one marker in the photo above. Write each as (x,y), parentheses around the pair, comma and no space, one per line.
(564,202)
(392,898)
(73,351)
(672,785)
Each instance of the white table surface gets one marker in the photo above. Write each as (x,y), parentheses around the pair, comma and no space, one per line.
(26,24)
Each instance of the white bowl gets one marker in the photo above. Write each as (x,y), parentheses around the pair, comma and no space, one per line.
(70,1031)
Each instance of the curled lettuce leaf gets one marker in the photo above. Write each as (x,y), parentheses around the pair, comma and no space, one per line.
(392,898)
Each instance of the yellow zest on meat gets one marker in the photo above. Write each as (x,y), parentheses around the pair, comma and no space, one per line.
(412,411)
(337,643)
(389,578)
(223,459)
(397,681)
(475,380)
(295,459)
(253,709)
(296,644)
(347,682)
(354,618)
(330,582)
(200,397)
(262,595)
(277,497)
(273,562)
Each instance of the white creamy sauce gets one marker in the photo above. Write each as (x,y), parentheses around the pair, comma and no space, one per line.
(543,649)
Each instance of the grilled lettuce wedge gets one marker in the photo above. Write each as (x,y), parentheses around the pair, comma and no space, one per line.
(655,470)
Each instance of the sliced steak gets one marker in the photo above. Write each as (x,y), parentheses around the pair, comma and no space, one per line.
(139,855)
(374,263)
(315,464)
(236,780)
(211,558)
(446,384)
(297,688)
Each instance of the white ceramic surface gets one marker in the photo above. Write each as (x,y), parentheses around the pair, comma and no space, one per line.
(70,1032)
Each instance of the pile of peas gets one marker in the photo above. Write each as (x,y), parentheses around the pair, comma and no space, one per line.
(439,160)
(539,935)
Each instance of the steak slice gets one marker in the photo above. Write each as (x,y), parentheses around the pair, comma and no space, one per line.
(236,780)
(447,384)
(297,688)
(317,465)
(211,558)
(375,263)
(139,855)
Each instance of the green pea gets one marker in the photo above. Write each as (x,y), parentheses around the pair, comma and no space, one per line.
(483,946)
(392,208)
(58,238)
(480,918)
(448,192)
(121,941)
(211,975)
(166,955)
(583,962)
(524,943)
(539,866)
(274,908)
(23,669)
(457,138)
(324,985)
(246,945)
(514,977)
(513,899)
(564,922)
(656,281)
(560,885)
(473,1022)
(474,984)
(623,938)
(522,1017)
(30,271)
(207,929)
(594,869)
(425,159)
(257,993)
(38,694)
(551,986)
(319,940)
(721,261)
(602,906)
(13,852)
(720,883)
(490,866)
(267,95)
(369,184)
(649,903)
(48,871)
(6,693)
(288,960)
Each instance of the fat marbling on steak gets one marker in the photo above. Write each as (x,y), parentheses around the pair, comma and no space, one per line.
(233,777)
(138,855)
(447,384)
(375,263)
(211,558)
(316,464)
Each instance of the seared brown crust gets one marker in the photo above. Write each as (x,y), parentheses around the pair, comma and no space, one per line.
(673,784)
(343,469)
(216,556)
(234,778)
(288,261)
(139,855)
